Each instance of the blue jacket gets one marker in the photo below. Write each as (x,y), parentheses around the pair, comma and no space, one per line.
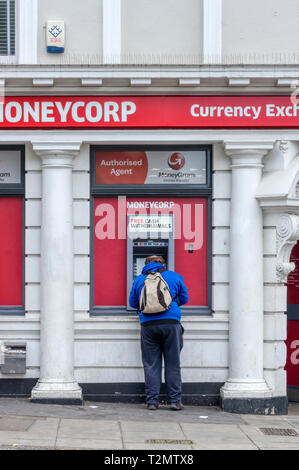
(177,290)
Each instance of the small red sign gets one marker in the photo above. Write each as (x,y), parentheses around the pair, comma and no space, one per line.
(121,167)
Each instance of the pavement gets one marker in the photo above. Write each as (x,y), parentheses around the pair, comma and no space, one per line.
(118,426)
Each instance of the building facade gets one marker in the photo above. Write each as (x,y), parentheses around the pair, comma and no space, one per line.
(176,122)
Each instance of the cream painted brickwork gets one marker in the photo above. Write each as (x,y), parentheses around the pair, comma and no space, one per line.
(275,320)
(81,220)
(99,341)
(220,232)
(162,32)
(98,352)
(83,23)
(32,247)
(154,32)
(205,354)
(260,31)
(107,348)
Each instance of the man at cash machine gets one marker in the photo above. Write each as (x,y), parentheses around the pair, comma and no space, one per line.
(161,333)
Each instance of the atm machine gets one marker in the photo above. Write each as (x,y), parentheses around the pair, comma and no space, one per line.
(149,235)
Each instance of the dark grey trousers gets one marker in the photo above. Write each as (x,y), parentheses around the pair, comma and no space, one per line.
(157,341)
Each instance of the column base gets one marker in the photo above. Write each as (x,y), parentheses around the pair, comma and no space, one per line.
(258,406)
(54,392)
(251,396)
(245,388)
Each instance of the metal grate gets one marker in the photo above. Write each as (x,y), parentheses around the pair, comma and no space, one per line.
(7,27)
(169,441)
(279,432)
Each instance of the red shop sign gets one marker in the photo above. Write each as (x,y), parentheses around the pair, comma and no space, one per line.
(149,112)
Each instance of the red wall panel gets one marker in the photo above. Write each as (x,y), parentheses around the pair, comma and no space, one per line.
(292,342)
(292,363)
(11,251)
(110,254)
(110,270)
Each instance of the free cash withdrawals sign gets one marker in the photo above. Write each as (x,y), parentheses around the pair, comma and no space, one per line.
(149,112)
(149,223)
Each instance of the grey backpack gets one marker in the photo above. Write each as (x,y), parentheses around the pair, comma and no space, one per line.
(155,295)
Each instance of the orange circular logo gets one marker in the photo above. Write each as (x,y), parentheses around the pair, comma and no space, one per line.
(176,161)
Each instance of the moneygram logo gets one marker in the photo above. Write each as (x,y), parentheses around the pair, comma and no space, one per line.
(176,161)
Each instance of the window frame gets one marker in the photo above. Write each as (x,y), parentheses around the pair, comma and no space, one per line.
(153,190)
(12,58)
(26,29)
(16,190)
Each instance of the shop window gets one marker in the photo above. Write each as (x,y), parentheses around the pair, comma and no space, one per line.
(12,230)
(7,27)
(144,201)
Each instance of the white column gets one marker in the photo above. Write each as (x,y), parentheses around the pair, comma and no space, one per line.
(27,21)
(57,383)
(246,379)
(111,13)
(212,31)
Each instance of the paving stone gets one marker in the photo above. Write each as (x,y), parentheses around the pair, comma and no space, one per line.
(80,428)
(140,446)
(45,429)
(143,426)
(216,445)
(266,421)
(262,440)
(17,442)
(15,424)
(93,444)
(279,446)
(140,432)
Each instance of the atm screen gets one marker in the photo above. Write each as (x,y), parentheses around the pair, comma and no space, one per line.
(144,248)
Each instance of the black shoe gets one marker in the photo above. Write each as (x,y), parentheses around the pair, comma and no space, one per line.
(177,406)
(152,406)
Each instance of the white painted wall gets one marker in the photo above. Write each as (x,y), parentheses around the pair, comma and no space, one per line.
(107,349)
(83,22)
(172,31)
(147,31)
(265,29)
(275,320)
(161,32)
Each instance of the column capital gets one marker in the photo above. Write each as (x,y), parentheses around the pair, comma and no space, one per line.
(244,146)
(245,153)
(46,148)
(56,154)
